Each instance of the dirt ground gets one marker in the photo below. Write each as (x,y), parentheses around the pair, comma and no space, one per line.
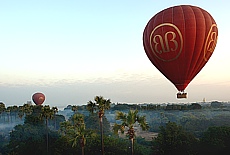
(139,133)
(147,135)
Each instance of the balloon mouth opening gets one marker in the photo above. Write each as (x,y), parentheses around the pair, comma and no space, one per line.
(181,95)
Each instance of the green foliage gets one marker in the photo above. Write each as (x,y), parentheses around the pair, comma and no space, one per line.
(30,139)
(98,105)
(195,106)
(216,140)
(92,122)
(46,112)
(77,131)
(142,147)
(192,106)
(113,146)
(120,107)
(74,108)
(33,116)
(62,146)
(2,107)
(172,139)
(128,120)
(3,144)
(195,124)
(221,120)
(216,104)
(55,122)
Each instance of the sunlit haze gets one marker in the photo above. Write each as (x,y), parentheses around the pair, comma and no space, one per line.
(74,50)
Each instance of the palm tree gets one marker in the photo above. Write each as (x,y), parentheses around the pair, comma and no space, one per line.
(8,112)
(28,109)
(74,108)
(100,105)
(2,109)
(79,131)
(128,121)
(91,107)
(21,112)
(75,131)
(64,127)
(47,113)
(15,110)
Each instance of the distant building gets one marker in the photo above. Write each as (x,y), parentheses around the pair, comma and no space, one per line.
(29,102)
(204,100)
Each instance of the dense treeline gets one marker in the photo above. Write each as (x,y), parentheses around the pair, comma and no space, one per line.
(192,117)
(182,129)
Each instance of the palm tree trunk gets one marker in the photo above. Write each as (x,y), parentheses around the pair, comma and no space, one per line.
(55,122)
(82,150)
(132,146)
(8,118)
(4,118)
(82,144)
(102,139)
(47,143)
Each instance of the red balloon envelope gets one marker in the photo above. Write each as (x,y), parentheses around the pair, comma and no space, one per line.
(38,98)
(179,41)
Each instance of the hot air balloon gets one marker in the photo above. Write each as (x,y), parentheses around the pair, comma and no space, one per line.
(179,41)
(38,98)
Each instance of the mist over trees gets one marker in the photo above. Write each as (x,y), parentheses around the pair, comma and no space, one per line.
(196,128)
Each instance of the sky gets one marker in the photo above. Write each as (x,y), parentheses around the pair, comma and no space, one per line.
(74,50)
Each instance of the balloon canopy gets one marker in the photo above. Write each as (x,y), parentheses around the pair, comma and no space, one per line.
(38,98)
(179,41)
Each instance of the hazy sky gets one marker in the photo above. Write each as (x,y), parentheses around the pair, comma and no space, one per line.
(73,50)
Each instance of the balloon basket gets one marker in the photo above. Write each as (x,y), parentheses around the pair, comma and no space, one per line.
(181,95)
